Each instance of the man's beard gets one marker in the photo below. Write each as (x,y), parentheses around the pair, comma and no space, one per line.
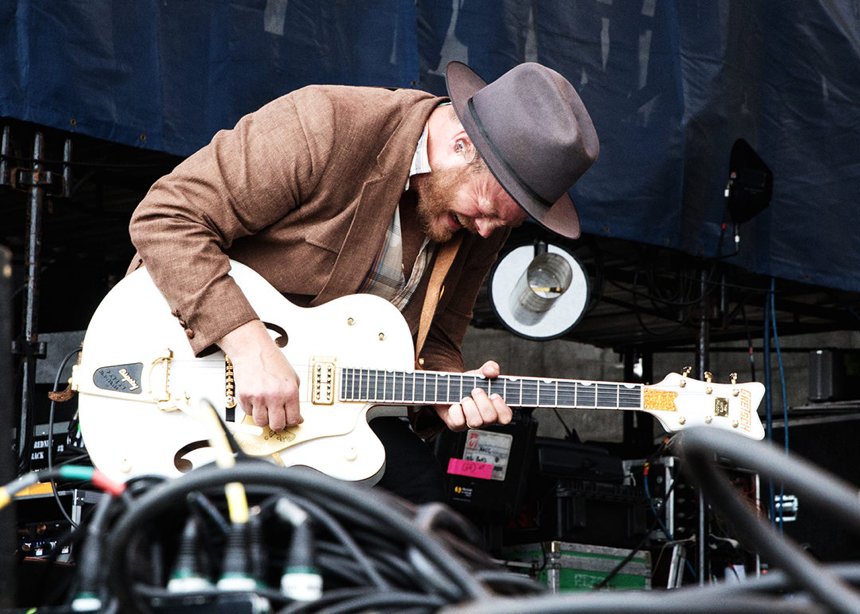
(435,194)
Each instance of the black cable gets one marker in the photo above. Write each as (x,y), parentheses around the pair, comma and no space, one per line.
(207,509)
(394,523)
(506,581)
(681,601)
(388,564)
(623,562)
(700,444)
(345,538)
(89,566)
(334,564)
(372,602)
(443,521)
(328,598)
(164,595)
(777,582)
(51,437)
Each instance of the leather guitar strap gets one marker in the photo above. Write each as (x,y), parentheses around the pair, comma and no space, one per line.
(435,288)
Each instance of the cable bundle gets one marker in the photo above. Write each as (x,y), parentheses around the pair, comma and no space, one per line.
(311,544)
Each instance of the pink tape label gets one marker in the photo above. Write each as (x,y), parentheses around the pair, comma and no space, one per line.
(472,469)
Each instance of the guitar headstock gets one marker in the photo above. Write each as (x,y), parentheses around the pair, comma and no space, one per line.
(680,402)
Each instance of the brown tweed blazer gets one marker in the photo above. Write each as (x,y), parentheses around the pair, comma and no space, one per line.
(302,191)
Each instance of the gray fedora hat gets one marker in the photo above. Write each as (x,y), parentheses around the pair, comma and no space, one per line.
(534,133)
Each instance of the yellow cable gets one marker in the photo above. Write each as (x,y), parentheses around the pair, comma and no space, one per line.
(237,501)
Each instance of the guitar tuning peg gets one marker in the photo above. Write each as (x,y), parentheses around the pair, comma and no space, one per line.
(686,371)
(709,376)
(733,377)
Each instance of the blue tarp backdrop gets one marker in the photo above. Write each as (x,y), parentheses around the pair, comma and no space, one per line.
(670,84)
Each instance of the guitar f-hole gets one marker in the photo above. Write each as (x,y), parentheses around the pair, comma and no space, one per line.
(282,339)
(183,464)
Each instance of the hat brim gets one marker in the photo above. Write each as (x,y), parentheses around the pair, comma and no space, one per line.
(561,218)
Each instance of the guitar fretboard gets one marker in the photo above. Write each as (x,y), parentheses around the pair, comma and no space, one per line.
(432,388)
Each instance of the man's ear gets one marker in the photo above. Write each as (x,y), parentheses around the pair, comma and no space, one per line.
(463,146)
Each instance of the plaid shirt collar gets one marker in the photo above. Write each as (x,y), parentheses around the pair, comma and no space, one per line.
(386,277)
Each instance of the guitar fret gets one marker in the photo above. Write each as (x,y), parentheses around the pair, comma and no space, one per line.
(346,389)
(421,387)
(565,394)
(606,393)
(420,396)
(388,387)
(375,389)
(528,392)
(546,395)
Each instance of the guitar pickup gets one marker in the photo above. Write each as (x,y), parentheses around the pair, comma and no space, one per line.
(322,381)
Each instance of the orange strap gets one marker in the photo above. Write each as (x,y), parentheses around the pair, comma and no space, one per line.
(444,258)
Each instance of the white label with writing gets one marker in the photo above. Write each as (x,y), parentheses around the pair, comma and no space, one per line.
(489,447)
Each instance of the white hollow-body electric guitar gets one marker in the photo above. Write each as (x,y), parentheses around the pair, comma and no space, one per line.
(139,384)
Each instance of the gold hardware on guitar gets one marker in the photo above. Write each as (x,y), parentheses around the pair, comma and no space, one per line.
(322,381)
(162,395)
(734,379)
(229,383)
(684,374)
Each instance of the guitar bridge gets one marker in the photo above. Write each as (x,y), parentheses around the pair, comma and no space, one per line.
(322,381)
